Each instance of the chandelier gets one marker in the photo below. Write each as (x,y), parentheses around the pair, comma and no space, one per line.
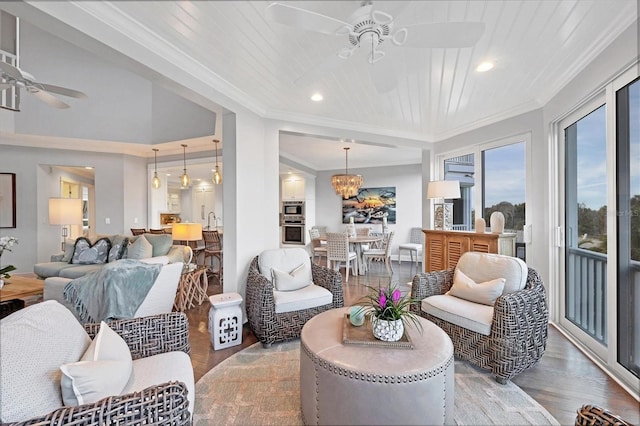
(346,185)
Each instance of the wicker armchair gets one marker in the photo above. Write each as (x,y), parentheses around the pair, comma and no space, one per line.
(519,327)
(269,326)
(164,404)
(592,415)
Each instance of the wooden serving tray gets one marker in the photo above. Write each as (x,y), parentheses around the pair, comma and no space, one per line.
(352,335)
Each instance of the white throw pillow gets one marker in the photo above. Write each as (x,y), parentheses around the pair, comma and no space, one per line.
(485,293)
(104,370)
(290,281)
(141,248)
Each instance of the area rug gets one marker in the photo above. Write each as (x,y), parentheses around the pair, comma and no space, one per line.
(258,386)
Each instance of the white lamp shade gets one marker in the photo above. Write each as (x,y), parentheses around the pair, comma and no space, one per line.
(65,211)
(446,189)
(187,231)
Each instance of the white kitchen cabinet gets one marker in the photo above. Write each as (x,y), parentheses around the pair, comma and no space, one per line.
(293,189)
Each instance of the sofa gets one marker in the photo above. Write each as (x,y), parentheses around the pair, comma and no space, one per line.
(493,307)
(133,372)
(85,255)
(160,298)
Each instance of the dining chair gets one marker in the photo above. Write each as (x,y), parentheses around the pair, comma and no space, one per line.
(317,248)
(363,232)
(413,246)
(338,253)
(213,248)
(138,231)
(381,254)
(156,231)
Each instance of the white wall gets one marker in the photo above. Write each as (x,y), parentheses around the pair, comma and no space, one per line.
(409,199)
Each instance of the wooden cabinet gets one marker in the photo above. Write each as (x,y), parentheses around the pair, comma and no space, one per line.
(444,248)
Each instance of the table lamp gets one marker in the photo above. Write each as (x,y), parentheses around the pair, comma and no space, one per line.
(187,232)
(65,212)
(442,211)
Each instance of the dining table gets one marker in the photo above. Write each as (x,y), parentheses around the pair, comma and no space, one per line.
(357,243)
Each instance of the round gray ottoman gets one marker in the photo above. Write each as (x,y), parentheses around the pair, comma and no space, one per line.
(347,384)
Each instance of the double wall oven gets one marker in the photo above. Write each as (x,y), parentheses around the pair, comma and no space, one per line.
(293,222)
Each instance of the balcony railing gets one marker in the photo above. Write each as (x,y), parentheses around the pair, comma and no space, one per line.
(586,292)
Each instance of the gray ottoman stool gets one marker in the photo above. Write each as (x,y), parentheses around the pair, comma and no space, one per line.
(345,384)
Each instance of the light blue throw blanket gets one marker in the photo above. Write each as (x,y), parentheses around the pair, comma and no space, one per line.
(114,292)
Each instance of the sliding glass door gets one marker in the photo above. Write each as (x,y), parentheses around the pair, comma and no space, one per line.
(585,166)
(599,227)
(628,221)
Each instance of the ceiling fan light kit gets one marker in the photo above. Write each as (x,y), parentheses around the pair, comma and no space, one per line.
(346,185)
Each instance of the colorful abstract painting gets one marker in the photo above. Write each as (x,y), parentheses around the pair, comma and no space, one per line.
(370,206)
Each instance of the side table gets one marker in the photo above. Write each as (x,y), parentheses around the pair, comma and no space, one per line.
(192,288)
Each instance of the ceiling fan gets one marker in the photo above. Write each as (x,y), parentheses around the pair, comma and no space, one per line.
(15,77)
(367,29)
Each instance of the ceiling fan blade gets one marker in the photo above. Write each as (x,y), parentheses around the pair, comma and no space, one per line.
(393,8)
(444,34)
(11,71)
(314,74)
(62,91)
(384,73)
(304,19)
(48,98)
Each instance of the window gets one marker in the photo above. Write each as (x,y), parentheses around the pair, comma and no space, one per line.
(496,183)
(503,186)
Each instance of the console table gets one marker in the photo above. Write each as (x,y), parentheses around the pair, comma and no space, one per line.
(351,384)
(444,248)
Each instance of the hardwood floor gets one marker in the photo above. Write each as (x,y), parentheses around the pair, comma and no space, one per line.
(562,381)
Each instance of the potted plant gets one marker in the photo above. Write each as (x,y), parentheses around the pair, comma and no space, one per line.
(5,243)
(389,312)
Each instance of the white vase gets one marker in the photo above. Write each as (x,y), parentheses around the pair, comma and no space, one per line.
(387,331)
(497,223)
(480,225)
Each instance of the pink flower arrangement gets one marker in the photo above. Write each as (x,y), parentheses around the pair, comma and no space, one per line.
(389,304)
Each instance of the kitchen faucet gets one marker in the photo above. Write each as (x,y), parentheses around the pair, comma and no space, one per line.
(209,220)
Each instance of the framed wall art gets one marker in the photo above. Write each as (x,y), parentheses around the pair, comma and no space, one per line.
(370,206)
(7,200)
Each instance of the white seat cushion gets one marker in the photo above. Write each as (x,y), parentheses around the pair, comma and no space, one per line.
(305,298)
(36,341)
(472,316)
(161,368)
(482,267)
(410,246)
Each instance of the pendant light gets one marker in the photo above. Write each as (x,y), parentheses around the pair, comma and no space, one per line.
(185,181)
(217,176)
(155,182)
(346,185)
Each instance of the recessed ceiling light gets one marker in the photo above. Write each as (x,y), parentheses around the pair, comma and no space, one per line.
(317,97)
(484,66)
